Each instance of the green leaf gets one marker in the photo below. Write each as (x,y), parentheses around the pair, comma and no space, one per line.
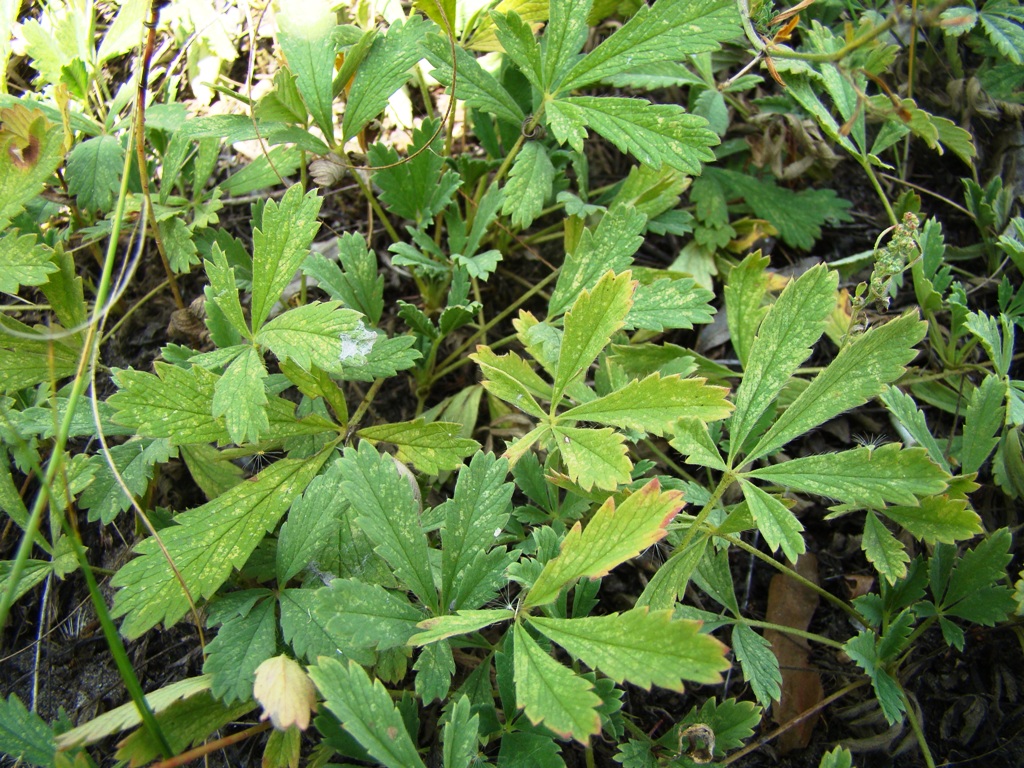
(280,245)
(672,577)
(223,290)
(669,30)
(94,172)
(308,631)
(175,403)
(612,537)
(655,134)
(982,423)
(693,440)
(553,694)
(366,711)
(304,32)
(744,297)
(384,70)
(419,188)
(205,544)
(213,473)
(937,519)
(589,326)
(367,615)
(65,292)
(431,447)
(883,550)
(513,29)
(357,282)
(31,148)
(26,359)
(179,244)
(860,371)
(460,735)
(311,525)
(777,524)
(460,623)
(870,477)
(640,647)
(241,645)
(564,37)
(666,304)
(240,398)
(389,515)
(529,184)
(24,736)
(593,456)
(434,669)
(973,592)
(475,85)
(105,498)
(512,379)
(792,325)
(864,651)
(654,404)
(839,757)
(903,407)
(122,35)
(23,261)
(607,247)
(1003,22)
(996,336)
(732,722)
(310,334)
(386,358)
(760,667)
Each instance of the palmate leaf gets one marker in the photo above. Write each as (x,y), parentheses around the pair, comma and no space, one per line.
(612,537)
(553,694)
(607,247)
(655,134)
(655,404)
(474,85)
(529,184)
(593,457)
(366,711)
(667,31)
(589,326)
(777,524)
(860,371)
(641,647)
(23,261)
(205,544)
(431,447)
(792,325)
(512,379)
(384,70)
(304,32)
(280,246)
(310,334)
(870,477)
(240,397)
(459,623)
(242,644)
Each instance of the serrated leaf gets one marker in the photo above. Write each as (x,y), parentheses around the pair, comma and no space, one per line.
(862,649)
(223,290)
(777,524)
(356,283)
(976,570)
(310,334)
(760,667)
(386,358)
(474,85)
(213,473)
(179,244)
(553,694)
(434,669)
(94,172)
(24,735)
(612,537)
(903,407)
(312,523)
(105,498)
(23,261)
(860,371)
(389,515)
(529,184)
(839,757)
(26,361)
(655,134)
(240,398)
(996,336)
(460,735)
(593,456)
(304,32)
(241,645)
(666,304)
(671,579)
(366,711)
(384,70)
(206,544)
(937,519)
(431,447)
(280,246)
(367,615)
(641,647)
(1003,22)
(667,31)
(692,439)
(564,37)
(883,550)
(870,477)
(791,326)
(607,247)
(744,296)
(459,623)
(655,404)
(512,379)
(589,325)
(308,631)
(982,422)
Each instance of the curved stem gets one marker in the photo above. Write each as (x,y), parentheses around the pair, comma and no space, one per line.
(915,726)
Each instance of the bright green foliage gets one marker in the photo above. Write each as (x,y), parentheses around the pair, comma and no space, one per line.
(460,735)
(310,334)
(937,519)
(912,419)
(181,250)
(462,622)
(94,172)
(613,536)
(1003,22)
(356,283)
(384,71)
(223,291)
(513,380)
(873,654)
(839,757)
(24,735)
(777,524)
(366,615)
(240,398)
(744,293)
(760,667)
(134,460)
(25,362)
(982,422)
(205,545)
(431,447)
(312,522)
(883,550)
(593,457)
(529,184)
(641,647)
(23,262)
(365,709)
(477,87)
(242,644)
(304,32)
(552,694)
(665,304)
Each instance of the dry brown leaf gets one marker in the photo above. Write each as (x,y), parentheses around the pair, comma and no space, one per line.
(285,691)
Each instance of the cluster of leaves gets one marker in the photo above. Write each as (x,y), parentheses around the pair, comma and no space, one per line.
(488,601)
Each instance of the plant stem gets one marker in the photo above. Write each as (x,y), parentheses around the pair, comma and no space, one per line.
(205,749)
(375,205)
(813,637)
(915,726)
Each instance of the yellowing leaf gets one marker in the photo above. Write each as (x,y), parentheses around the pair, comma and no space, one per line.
(285,692)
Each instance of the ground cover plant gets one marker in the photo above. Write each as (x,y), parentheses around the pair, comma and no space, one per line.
(519,384)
